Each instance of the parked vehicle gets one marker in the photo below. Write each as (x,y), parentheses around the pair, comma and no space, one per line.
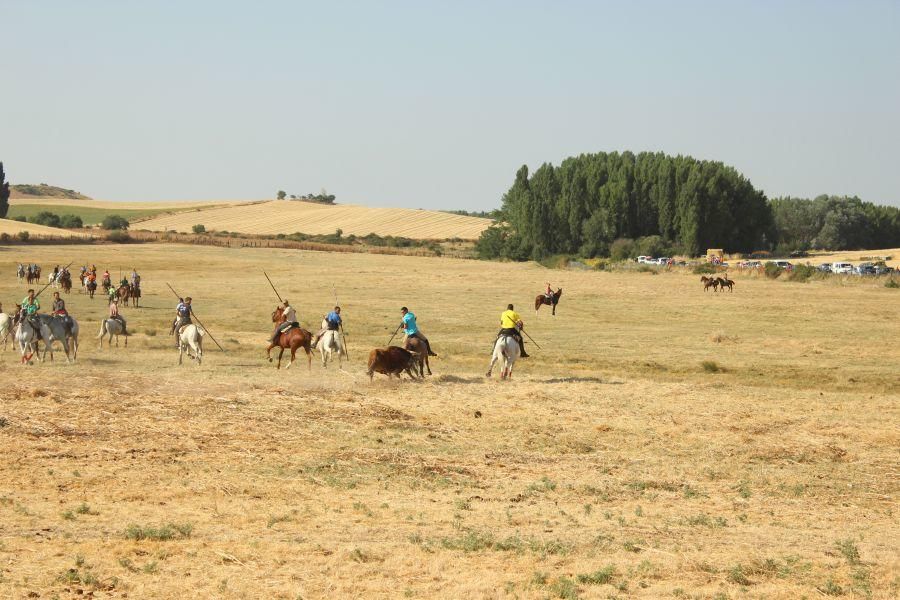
(865,269)
(826,268)
(663,260)
(786,265)
(841,268)
(644,259)
(883,270)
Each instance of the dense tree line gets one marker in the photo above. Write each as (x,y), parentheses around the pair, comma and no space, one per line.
(4,193)
(835,223)
(589,201)
(657,204)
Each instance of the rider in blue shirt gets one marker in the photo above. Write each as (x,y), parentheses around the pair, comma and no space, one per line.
(333,322)
(411,329)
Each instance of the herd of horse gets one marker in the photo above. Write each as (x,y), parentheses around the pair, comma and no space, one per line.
(717,283)
(413,358)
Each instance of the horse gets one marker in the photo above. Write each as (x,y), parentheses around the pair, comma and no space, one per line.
(293,338)
(420,351)
(111,327)
(123,293)
(53,329)
(91,288)
(135,295)
(27,338)
(53,279)
(5,328)
(20,273)
(190,339)
(551,301)
(65,281)
(329,343)
(710,282)
(507,348)
(726,283)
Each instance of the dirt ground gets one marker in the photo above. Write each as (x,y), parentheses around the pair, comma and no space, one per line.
(663,442)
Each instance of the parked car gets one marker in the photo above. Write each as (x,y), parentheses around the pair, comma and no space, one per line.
(663,260)
(799,254)
(826,268)
(841,268)
(644,259)
(787,266)
(865,269)
(883,270)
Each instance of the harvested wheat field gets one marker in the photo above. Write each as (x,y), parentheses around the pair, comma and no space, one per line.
(664,443)
(13,228)
(286,216)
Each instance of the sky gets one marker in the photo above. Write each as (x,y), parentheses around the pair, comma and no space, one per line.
(433,104)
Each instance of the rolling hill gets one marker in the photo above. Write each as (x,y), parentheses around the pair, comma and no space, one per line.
(284,216)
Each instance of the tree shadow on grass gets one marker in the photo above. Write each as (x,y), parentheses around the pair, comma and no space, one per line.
(580,380)
(455,379)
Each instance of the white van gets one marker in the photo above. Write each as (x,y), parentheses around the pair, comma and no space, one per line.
(842,268)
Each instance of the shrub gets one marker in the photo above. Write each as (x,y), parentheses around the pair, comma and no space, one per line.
(704,269)
(118,236)
(891,283)
(20,219)
(5,237)
(23,236)
(773,270)
(622,249)
(198,228)
(114,222)
(711,366)
(71,222)
(802,273)
(45,217)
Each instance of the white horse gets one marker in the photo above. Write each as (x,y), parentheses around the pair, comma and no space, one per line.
(111,327)
(53,280)
(190,340)
(20,273)
(5,328)
(507,348)
(330,343)
(53,329)
(27,338)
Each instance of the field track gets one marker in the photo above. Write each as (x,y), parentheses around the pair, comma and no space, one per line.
(665,443)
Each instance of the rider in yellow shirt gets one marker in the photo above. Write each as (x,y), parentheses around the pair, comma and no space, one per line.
(511,324)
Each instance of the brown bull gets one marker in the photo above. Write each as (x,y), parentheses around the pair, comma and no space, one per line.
(391,361)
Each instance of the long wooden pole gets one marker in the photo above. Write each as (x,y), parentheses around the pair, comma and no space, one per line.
(199,322)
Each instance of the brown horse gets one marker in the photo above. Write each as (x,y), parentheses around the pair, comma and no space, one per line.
(551,301)
(726,283)
(135,295)
(293,338)
(65,282)
(124,293)
(420,355)
(710,282)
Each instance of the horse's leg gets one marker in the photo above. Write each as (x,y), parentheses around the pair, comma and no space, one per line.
(491,366)
(293,355)
(427,364)
(280,354)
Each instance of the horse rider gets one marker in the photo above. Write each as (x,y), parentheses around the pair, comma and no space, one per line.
(55,272)
(182,317)
(107,279)
(549,292)
(511,324)
(124,282)
(134,277)
(114,314)
(30,307)
(59,310)
(290,319)
(411,329)
(333,322)
(111,293)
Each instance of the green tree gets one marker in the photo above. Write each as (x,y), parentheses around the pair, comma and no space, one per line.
(198,228)
(114,222)
(4,193)
(71,222)
(45,217)
(281,194)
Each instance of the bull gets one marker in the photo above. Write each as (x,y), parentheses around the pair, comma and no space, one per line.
(392,360)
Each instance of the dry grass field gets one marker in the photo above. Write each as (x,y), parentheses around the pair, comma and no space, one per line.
(11,227)
(664,443)
(273,217)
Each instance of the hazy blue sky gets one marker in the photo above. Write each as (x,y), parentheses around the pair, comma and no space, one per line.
(436,104)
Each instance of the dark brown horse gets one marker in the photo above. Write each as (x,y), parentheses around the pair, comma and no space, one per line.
(65,282)
(135,295)
(420,354)
(710,282)
(551,301)
(726,283)
(293,338)
(124,293)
